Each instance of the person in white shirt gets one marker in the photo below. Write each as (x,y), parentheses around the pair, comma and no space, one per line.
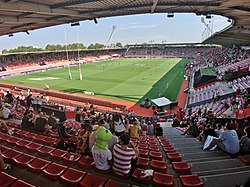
(7,113)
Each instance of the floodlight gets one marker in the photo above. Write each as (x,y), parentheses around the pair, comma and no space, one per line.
(208,16)
(74,24)
(170,15)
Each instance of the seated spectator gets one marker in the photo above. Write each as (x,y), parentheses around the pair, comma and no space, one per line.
(158,130)
(228,141)
(150,129)
(209,131)
(3,166)
(7,111)
(192,130)
(28,120)
(113,141)
(92,136)
(123,153)
(219,130)
(78,116)
(52,121)
(4,125)
(41,123)
(83,139)
(63,132)
(9,98)
(101,154)
(245,141)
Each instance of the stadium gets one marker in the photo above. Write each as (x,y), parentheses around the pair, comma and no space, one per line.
(167,114)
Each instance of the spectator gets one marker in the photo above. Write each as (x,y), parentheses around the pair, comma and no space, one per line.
(228,141)
(245,141)
(158,130)
(119,126)
(52,121)
(219,130)
(9,98)
(150,129)
(83,139)
(41,123)
(27,121)
(101,154)
(135,130)
(192,130)
(123,153)
(63,132)
(7,111)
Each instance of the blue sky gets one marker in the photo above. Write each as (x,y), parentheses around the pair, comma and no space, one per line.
(129,30)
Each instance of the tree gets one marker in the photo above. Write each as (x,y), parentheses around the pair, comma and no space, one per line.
(119,44)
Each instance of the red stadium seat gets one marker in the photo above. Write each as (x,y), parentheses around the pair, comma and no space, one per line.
(181,167)
(39,138)
(155,155)
(154,148)
(23,160)
(72,177)
(4,149)
(112,183)
(191,180)
(71,158)
(86,163)
(13,140)
(174,157)
(21,133)
(54,171)
(23,143)
(245,159)
(20,183)
(159,166)
(58,154)
(10,155)
(93,181)
(30,135)
(49,141)
(143,146)
(169,149)
(34,147)
(163,180)
(143,163)
(137,176)
(143,153)
(38,165)
(46,150)
(6,180)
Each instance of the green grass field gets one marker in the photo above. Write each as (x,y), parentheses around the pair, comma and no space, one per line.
(123,79)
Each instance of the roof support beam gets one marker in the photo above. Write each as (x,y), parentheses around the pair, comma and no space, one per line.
(153,7)
(25,7)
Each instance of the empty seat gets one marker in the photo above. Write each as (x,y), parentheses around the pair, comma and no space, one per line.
(181,167)
(37,165)
(13,140)
(45,150)
(30,135)
(58,154)
(142,162)
(49,141)
(72,177)
(53,171)
(33,147)
(20,183)
(86,163)
(163,180)
(23,160)
(39,138)
(137,176)
(23,143)
(165,144)
(10,155)
(21,133)
(143,153)
(154,148)
(245,159)
(93,181)
(71,158)
(112,183)
(6,180)
(174,157)
(159,166)
(4,149)
(143,146)
(155,155)
(4,137)
(169,149)
(191,180)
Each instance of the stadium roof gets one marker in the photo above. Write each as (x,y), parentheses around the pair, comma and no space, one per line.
(22,16)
